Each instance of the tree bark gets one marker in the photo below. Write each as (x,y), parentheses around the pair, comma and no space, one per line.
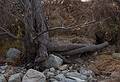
(53,47)
(90,48)
(28,20)
(34,24)
(40,26)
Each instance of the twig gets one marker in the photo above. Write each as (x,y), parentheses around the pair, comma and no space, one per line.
(56,28)
(6,32)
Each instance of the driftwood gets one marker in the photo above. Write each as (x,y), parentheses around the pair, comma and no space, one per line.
(73,49)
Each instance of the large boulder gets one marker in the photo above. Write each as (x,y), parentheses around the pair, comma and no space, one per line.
(53,61)
(13,56)
(34,76)
(16,78)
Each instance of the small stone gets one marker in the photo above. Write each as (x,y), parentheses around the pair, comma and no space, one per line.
(53,61)
(116,55)
(46,70)
(34,76)
(16,78)
(3,67)
(77,79)
(52,69)
(57,72)
(13,56)
(3,71)
(63,67)
(86,72)
(2,78)
(70,80)
(65,71)
(52,80)
(50,74)
(60,77)
(77,75)
(9,73)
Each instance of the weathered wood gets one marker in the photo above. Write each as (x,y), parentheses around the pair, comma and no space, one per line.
(34,24)
(40,26)
(52,46)
(90,48)
(28,20)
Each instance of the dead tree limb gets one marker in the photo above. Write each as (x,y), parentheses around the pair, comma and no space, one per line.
(8,33)
(48,30)
(90,48)
(64,47)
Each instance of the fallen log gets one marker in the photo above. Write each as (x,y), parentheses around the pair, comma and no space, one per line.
(90,48)
(63,50)
(52,47)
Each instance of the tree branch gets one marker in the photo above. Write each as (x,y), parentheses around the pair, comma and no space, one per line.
(8,33)
(52,29)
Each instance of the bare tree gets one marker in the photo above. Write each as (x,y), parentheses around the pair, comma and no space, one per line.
(35,24)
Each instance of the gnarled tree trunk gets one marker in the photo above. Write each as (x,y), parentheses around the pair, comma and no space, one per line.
(34,24)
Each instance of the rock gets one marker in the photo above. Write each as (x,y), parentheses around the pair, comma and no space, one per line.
(46,70)
(116,55)
(77,79)
(63,67)
(49,74)
(86,72)
(65,71)
(9,72)
(57,72)
(52,80)
(69,80)
(3,72)
(13,56)
(52,69)
(53,61)
(2,78)
(62,78)
(34,76)
(4,67)
(16,78)
(77,75)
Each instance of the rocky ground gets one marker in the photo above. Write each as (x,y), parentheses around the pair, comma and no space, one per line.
(91,67)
